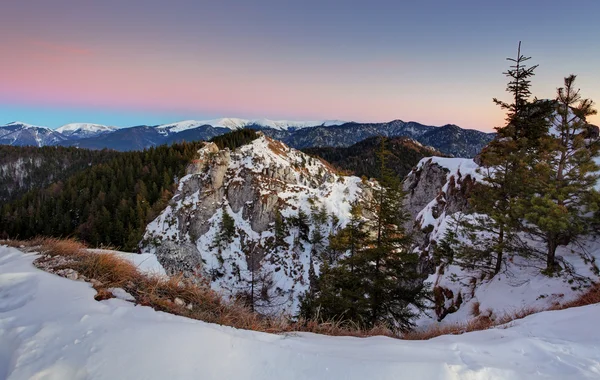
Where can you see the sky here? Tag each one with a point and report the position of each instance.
(133, 62)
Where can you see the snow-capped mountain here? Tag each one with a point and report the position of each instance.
(236, 123)
(23, 134)
(448, 139)
(265, 187)
(84, 130)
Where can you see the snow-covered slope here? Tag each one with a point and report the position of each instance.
(253, 184)
(235, 123)
(84, 130)
(52, 328)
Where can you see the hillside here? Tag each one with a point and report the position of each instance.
(360, 159)
(26, 168)
(108, 203)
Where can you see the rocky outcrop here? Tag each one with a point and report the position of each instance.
(262, 186)
(436, 188)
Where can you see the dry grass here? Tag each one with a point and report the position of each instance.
(175, 295)
(482, 322)
(590, 297)
(180, 296)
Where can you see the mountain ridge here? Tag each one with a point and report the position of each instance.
(448, 139)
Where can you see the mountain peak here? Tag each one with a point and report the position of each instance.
(24, 125)
(87, 127)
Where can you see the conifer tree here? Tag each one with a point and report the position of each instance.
(377, 280)
(566, 175)
(388, 264)
(226, 229)
(507, 176)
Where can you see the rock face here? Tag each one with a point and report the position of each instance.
(263, 187)
(436, 188)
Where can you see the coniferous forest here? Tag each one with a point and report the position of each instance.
(109, 203)
(23, 168)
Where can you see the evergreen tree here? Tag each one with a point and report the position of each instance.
(280, 230)
(566, 175)
(388, 264)
(507, 176)
(377, 280)
(226, 229)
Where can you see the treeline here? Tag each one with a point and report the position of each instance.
(107, 204)
(360, 158)
(26, 168)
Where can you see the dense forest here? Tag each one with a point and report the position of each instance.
(26, 168)
(109, 203)
(361, 159)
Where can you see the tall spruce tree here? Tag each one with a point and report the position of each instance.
(377, 280)
(507, 176)
(566, 175)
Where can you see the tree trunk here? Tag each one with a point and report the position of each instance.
(551, 254)
(499, 251)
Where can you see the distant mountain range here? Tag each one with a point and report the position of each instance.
(448, 139)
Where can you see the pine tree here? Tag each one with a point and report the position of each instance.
(280, 230)
(566, 175)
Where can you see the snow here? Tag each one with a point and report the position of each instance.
(236, 123)
(84, 128)
(24, 125)
(464, 166)
(52, 328)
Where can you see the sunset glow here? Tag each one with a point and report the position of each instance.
(157, 61)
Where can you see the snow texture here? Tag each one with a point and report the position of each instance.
(52, 328)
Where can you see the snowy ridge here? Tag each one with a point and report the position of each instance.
(18, 133)
(252, 184)
(24, 125)
(236, 123)
(84, 128)
(52, 328)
